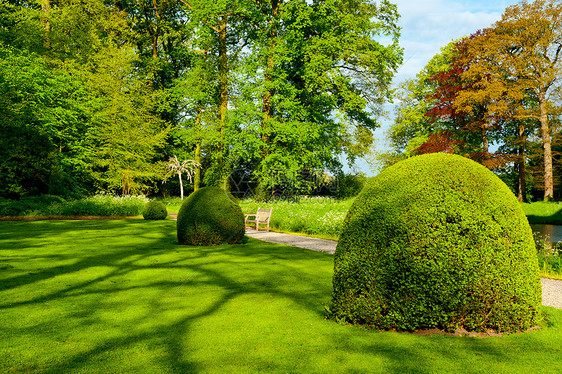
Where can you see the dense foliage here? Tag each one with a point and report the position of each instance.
(210, 216)
(350, 185)
(493, 96)
(49, 206)
(97, 95)
(154, 210)
(437, 241)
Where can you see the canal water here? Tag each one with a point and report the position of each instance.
(552, 233)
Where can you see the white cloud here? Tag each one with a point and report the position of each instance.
(429, 25)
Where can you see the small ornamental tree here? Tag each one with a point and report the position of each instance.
(437, 241)
(174, 166)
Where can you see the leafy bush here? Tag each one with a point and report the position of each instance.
(29, 205)
(105, 205)
(210, 216)
(43, 200)
(350, 185)
(155, 210)
(437, 241)
(98, 205)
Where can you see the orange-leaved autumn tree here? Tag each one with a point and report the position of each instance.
(519, 68)
(467, 128)
(491, 93)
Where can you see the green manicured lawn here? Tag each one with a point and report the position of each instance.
(122, 296)
(543, 212)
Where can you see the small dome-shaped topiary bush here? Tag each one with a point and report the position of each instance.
(436, 241)
(210, 216)
(154, 210)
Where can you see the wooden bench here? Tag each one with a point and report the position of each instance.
(262, 217)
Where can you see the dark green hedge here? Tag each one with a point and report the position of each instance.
(210, 216)
(25, 205)
(350, 185)
(154, 210)
(437, 241)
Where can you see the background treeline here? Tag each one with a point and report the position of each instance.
(97, 95)
(493, 96)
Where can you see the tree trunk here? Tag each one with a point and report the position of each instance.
(223, 74)
(46, 10)
(223, 92)
(155, 45)
(485, 143)
(197, 176)
(156, 31)
(521, 166)
(547, 152)
(267, 108)
(181, 185)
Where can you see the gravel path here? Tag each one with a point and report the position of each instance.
(314, 244)
(552, 293)
(551, 288)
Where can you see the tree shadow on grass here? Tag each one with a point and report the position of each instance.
(193, 268)
(553, 219)
(153, 295)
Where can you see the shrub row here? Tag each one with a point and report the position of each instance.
(98, 205)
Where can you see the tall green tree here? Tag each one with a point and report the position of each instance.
(276, 85)
(125, 134)
(41, 122)
(322, 73)
(217, 40)
(82, 95)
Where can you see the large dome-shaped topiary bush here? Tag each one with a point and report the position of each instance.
(154, 210)
(437, 241)
(210, 216)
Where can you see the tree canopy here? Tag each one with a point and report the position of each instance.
(106, 91)
(98, 95)
(497, 86)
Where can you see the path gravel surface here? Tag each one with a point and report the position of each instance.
(314, 244)
(551, 288)
(552, 293)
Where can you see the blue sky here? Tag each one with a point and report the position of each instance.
(428, 25)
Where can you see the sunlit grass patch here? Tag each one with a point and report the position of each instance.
(543, 212)
(123, 296)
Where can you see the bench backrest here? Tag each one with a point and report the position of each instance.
(263, 214)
